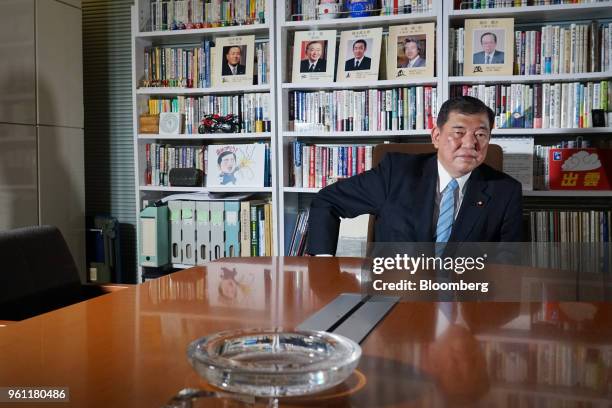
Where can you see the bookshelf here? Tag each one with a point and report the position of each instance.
(536, 14)
(293, 199)
(278, 28)
(143, 37)
(533, 18)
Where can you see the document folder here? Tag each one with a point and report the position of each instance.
(188, 243)
(153, 233)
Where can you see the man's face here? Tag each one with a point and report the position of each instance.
(228, 162)
(358, 50)
(462, 142)
(314, 51)
(488, 44)
(233, 56)
(411, 50)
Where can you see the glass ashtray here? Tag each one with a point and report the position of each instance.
(274, 363)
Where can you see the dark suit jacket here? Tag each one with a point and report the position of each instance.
(400, 192)
(421, 62)
(319, 67)
(227, 71)
(479, 58)
(349, 65)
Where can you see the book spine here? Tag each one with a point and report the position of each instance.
(254, 231)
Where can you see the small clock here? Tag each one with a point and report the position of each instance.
(169, 123)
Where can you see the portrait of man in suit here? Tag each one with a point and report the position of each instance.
(489, 53)
(446, 196)
(359, 61)
(315, 61)
(413, 54)
(232, 61)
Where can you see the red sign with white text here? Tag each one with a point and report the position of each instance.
(580, 169)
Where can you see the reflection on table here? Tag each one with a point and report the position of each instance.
(128, 348)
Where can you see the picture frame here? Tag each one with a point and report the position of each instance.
(489, 47)
(236, 165)
(234, 59)
(314, 56)
(359, 55)
(411, 51)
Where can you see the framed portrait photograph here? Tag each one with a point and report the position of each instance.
(411, 51)
(489, 47)
(234, 59)
(314, 56)
(359, 55)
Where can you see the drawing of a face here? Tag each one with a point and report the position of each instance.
(227, 162)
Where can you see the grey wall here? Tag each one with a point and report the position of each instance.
(109, 157)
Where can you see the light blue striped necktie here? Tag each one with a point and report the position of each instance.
(446, 217)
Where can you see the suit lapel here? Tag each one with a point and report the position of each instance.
(473, 207)
(425, 197)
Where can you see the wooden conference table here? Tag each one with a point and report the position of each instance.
(128, 348)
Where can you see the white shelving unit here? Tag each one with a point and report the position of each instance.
(533, 16)
(535, 193)
(194, 37)
(358, 134)
(523, 79)
(292, 199)
(211, 136)
(279, 31)
(229, 90)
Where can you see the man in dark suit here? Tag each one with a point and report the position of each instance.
(359, 61)
(314, 63)
(232, 65)
(442, 197)
(489, 55)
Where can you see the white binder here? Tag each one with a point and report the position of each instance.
(202, 232)
(188, 243)
(176, 253)
(217, 241)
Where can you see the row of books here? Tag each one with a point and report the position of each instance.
(246, 165)
(548, 363)
(517, 398)
(554, 49)
(189, 14)
(227, 228)
(302, 10)
(194, 67)
(368, 110)
(318, 165)
(299, 234)
(545, 105)
(252, 110)
(486, 4)
(570, 226)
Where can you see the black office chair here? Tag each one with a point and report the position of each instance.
(38, 273)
